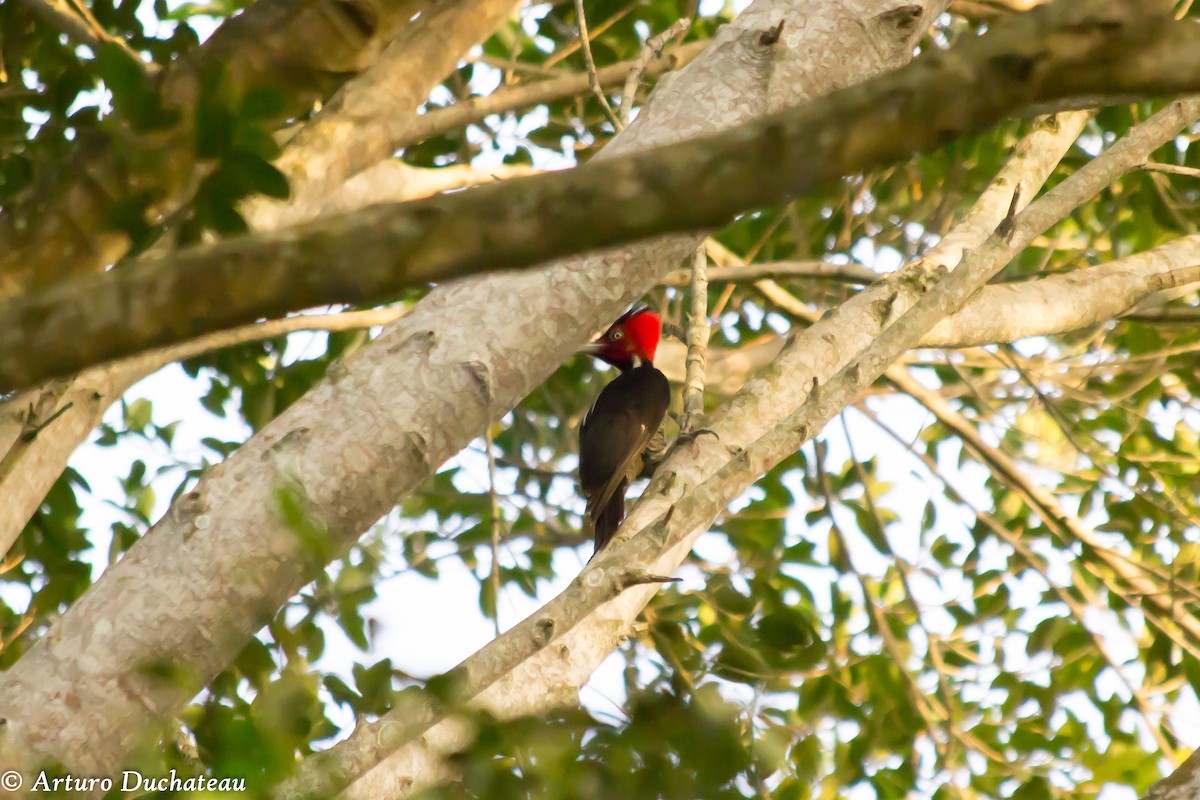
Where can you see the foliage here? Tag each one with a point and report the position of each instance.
(885, 614)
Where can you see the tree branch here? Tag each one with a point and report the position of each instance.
(1010, 311)
(524, 222)
(1171, 169)
(816, 270)
(651, 52)
(1182, 784)
(590, 64)
(697, 343)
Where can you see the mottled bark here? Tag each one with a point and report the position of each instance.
(1054, 52)
(1061, 303)
(1182, 784)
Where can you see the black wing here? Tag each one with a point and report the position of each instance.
(615, 432)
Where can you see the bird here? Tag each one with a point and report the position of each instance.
(623, 419)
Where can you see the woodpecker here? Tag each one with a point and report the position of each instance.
(622, 420)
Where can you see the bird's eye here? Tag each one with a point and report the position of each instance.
(618, 335)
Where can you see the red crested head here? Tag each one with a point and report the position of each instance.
(634, 336)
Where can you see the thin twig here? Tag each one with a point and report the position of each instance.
(1171, 169)
(697, 342)
(153, 360)
(331, 323)
(727, 259)
(819, 270)
(514, 96)
(570, 47)
(593, 81)
(651, 50)
(491, 465)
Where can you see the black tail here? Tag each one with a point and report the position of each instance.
(606, 520)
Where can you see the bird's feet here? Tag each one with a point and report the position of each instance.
(658, 450)
(688, 436)
(688, 429)
(688, 432)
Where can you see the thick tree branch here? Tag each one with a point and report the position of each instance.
(1011, 311)
(1050, 53)
(1182, 784)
